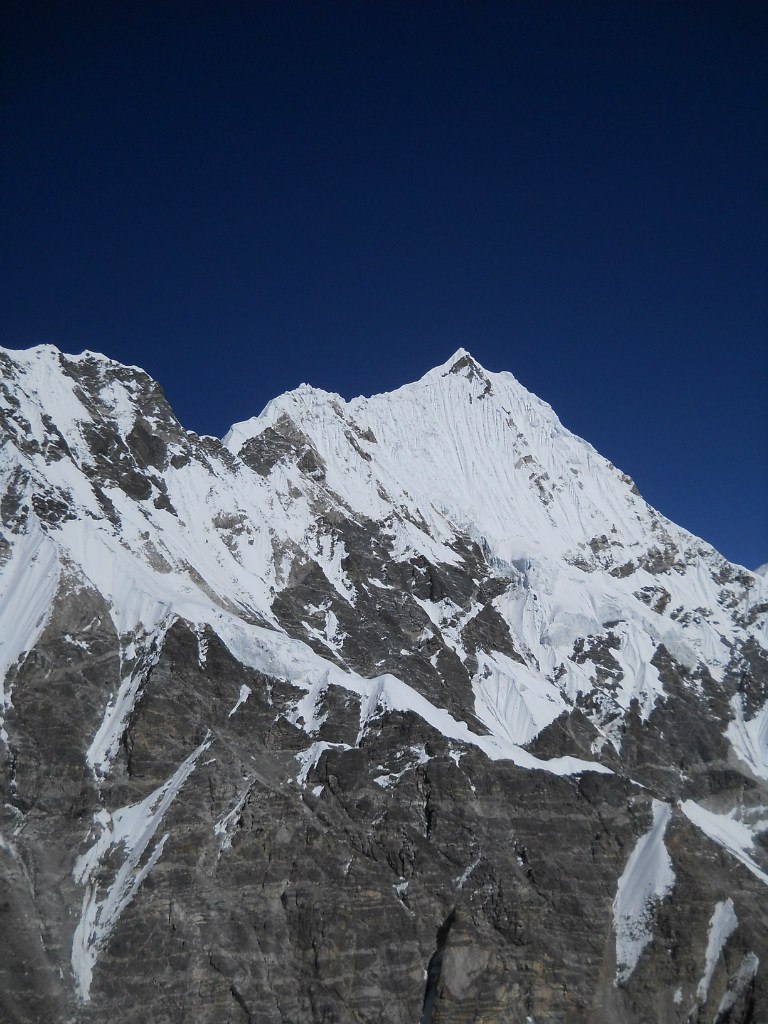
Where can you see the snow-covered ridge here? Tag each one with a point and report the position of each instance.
(507, 468)
(471, 451)
(165, 525)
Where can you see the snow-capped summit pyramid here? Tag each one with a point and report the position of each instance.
(466, 447)
(424, 658)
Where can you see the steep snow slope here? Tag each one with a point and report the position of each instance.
(466, 446)
(470, 452)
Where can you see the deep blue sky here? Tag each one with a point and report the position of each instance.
(241, 197)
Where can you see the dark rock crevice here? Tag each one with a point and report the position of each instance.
(434, 969)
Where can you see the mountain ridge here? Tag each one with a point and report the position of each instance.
(431, 578)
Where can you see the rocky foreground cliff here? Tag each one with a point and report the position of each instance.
(403, 710)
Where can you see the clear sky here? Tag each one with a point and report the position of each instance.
(243, 196)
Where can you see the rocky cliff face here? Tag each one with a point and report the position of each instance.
(404, 709)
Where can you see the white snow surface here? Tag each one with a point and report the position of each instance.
(734, 835)
(737, 984)
(647, 878)
(512, 700)
(749, 737)
(242, 697)
(721, 926)
(27, 589)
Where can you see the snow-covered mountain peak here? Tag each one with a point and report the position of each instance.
(461, 465)
(469, 452)
(48, 354)
(464, 443)
(427, 645)
(461, 362)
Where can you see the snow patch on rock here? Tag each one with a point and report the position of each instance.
(721, 926)
(130, 828)
(647, 878)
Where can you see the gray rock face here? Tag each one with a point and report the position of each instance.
(407, 709)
